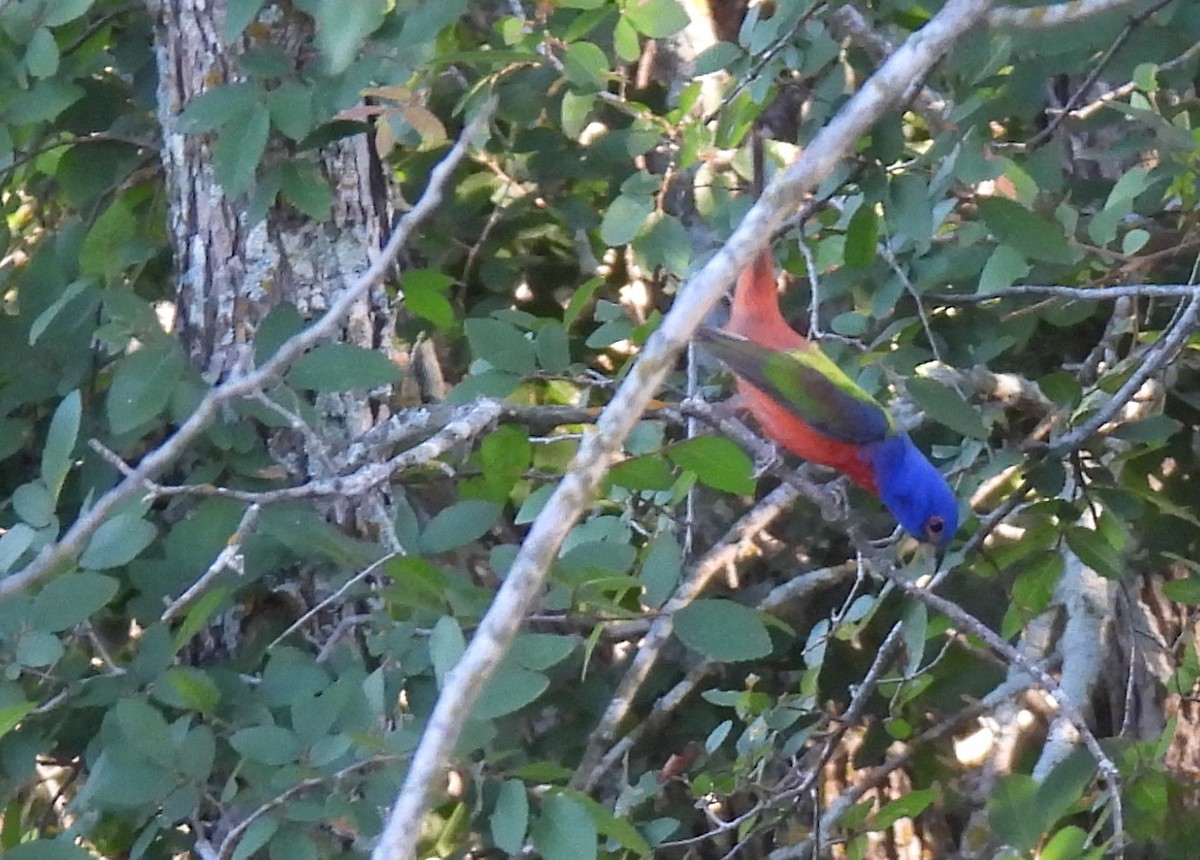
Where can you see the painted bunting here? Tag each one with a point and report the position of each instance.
(806, 404)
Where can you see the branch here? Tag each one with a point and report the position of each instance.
(876, 775)
(66, 549)
(735, 545)
(1055, 14)
(794, 589)
(1152, 360)
(879, 94)
(1086, 294)
(965, 621)
(1087, 598)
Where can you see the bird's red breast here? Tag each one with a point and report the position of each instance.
(756, 316)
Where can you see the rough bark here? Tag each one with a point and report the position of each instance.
(232, 272)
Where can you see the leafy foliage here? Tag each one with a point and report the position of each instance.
(558, 246)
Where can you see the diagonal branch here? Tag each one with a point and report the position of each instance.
(879, 94)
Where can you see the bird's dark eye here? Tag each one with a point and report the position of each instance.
(934, 526)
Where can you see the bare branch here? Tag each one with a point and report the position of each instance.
(1044, 679)
(230, 556)
(523, 583)
(735, 545)
(1087, 294)
(1056, 14)
(63, 551)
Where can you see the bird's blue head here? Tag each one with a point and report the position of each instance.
(914, 491)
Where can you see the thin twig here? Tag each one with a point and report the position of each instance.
(737, 543)
(231, 840)
(230, 557)
(1093, 74)
(337, 595)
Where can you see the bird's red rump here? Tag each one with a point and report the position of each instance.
(781, 424)
(755, 313)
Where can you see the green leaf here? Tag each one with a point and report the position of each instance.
(565, 830)
(509, 690)
(188, 688)
(717, 462)
(1004, 268)
(218, 107)
(909, 806)
(1065, 786)
(510, 816)
(272, 745)
(42, 102)
(41, 54)
(1186, 591)
(1034, 236)
(37, 648)
(239, 149)
(446, 647)
(1095, 552)
(291, 109)
(114, 229)
(64, 11)
(198, 616)
(46, 317)
(255, 837)
(33, 503)
(553, 347)
(280, 324)
(305, 188)
(11, 716)
(657, 19)
(862, 235)
(47, 849)
(238, 15)
(292, 844)
(1067, 844)
(666, 243)
(502, 345)
(661, 569)
(717, 58)
(946, 406)
(424, 22)
(649, 473)
(143, 384)
(540, 651)
(70, 599)
(723, 630)
(117, 542)
(1013, 811)
(425, 295)
(624, 218)
(18, 538)
(342, 367)
(60, 442)
(625, 40)
(458, 525)
(585, 66)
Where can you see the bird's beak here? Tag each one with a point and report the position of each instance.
(939, 556)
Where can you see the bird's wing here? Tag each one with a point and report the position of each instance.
(807, 383)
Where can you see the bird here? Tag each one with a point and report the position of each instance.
(806, 404)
